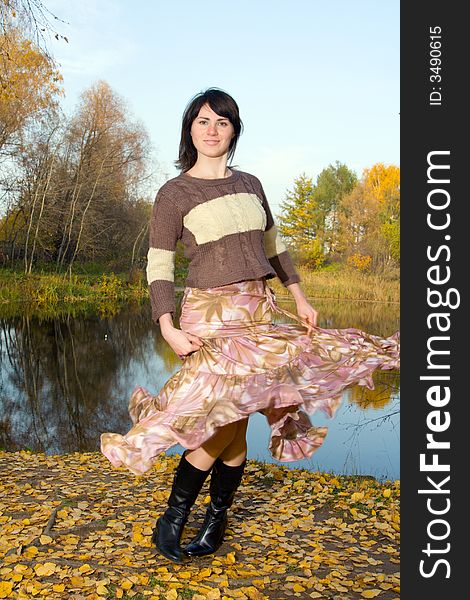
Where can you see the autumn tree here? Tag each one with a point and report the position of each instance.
(105, 160)
(33, 18)
(358, 219)
(29, 84)
(369, 222)
(382, 183)
(81, 196)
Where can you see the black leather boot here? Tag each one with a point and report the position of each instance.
(187, 484)
(225, 481)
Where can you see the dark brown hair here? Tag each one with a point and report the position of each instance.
(221, 103)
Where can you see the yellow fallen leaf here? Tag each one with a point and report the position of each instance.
(386, 586)
(20, 568)
(85, 568)
(205, 572)
(184, 574)
(58, 587)
(339, 588)
(370, 593)
(45, 569)
(101, 590)
(171, 595)
(126, 584)
(298, 588)
(357, 496)
(252, 593)
(6, 588)
(45, 539)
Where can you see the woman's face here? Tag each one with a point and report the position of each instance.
(211, 133)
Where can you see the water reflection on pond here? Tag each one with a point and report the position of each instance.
(66, 379)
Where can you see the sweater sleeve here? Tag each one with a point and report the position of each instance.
(275, 249)
(166, 228)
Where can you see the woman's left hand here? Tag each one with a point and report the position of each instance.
(307, 313)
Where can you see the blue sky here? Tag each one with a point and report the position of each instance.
(316, 81)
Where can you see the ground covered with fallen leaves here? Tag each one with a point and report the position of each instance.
(74, 527)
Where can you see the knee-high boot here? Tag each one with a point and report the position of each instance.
(225, 481)
(187, 484)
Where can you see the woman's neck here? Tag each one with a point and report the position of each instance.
(210, 169)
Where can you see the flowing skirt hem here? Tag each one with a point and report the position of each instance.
(283, 394)
(248, 364)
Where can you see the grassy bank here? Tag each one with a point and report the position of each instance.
(348, 284)
(50, 289)
(75, 527)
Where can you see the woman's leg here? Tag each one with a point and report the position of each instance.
(189, 478)
(235, 453)
(187, 483)
(204, 456)
(226, 477)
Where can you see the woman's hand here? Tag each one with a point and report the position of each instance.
(307, 313)
(182, 343)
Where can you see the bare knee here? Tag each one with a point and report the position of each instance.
(204, 456)
(235, 452)
(221, 439)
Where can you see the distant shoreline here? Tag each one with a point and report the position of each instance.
(41, 289)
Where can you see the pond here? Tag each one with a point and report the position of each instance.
(67, 378)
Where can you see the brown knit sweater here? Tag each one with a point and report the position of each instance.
(227, 230)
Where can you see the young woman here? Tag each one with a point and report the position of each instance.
(236, 360)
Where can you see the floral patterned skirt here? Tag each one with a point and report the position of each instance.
(249, 364)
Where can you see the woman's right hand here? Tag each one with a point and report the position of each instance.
(183, 343)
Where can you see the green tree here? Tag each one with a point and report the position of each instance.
(332, 184)
(299, 224)
(296, 221)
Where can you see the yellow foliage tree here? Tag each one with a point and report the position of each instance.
(29, 83)
(383, 184)
(369, 222)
